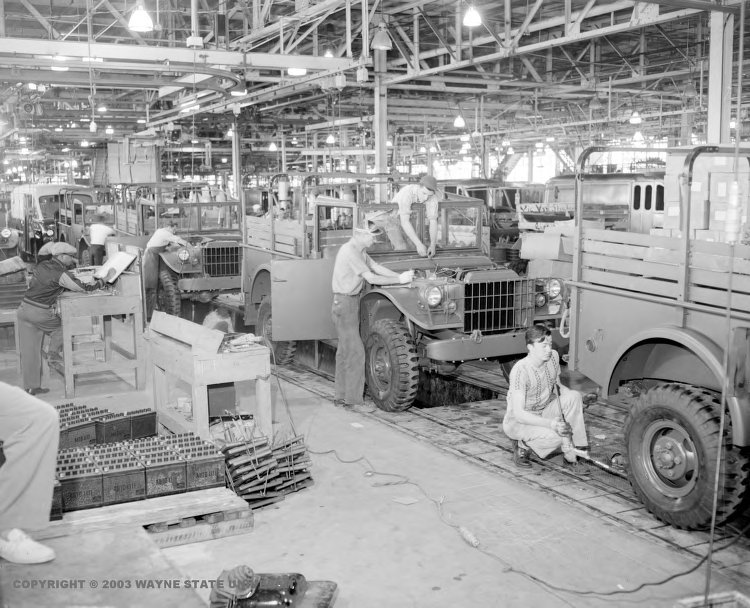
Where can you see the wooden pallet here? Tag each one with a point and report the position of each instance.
(177, 519)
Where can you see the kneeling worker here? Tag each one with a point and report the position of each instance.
(37, 316)
(542, 414)
(350, 271)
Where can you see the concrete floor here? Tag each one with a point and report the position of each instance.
(384, 524)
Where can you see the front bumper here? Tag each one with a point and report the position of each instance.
(208, 283)
(466, 348)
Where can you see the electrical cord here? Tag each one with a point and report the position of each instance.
(470, 539)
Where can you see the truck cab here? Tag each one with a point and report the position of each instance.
(34, 211)
(79, 209)
(203, 216)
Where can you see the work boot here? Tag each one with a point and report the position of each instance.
(520, 455)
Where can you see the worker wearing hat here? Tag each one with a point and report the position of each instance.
(423, 192)
(350, 271)
(37, 316)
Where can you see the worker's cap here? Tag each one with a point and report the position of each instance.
(62, 249)
(429, 182)
(369, 222)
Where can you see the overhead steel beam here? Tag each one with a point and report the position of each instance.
(698, 5)
(556, 42)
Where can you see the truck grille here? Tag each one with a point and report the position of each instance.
(222, 260)
(498, 306)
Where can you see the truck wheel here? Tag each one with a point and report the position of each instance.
(672, 438)
(85, 258)
(391, 366)
(168, 295)
(283, 352)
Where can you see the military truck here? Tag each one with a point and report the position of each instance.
(666, 313)
(204, 217)
(460, 307)
(79, 208)
(33, 213)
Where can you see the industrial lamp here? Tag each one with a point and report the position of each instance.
(330, 140)
(140, 20)
(273, 147)
(635, 118)
(472, 18)
(381, 41)
(459, 122)
(690, 92)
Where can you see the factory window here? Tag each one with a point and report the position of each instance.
(78, 213)
(637, 198)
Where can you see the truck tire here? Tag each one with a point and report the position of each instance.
(85, 258)
(672, 438)
(168, 298)
(283, 352)
(391, 366)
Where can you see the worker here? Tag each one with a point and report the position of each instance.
(156, 245)
(423, 192)
(542, 414)
(350, 271)
(29, 435)
(98, 233)
(36, 315)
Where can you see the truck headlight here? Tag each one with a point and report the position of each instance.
(49, 233)
(5, 233)
(540, 299)
(183, 255)
(554, 288)
(433, 296)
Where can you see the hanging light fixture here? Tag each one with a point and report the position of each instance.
(690, 92)
(92, 126)
(109, 130)
(330, 140)
(381, 41)
(273, 147)
(472, 18)
(459, 122)
(140, 20)
(635, 118)
(595, 104)
(296, 70)
(510, 150)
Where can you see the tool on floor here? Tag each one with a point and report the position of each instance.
(240, 587)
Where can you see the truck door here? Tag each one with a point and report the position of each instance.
(302, 298)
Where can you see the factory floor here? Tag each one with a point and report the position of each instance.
(390, 520)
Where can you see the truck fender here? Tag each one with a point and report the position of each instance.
(380, 304)
(260, 287)
(171, 261)
(705, 352)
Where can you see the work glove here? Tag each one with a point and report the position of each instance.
(406, 277)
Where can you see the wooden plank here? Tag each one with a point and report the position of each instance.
(286, 239)
(631, 238)
(639, 284)
(708, 278)
(282, 248)
(199, 337)
(714, 248)
(719, 263)
(171, 508)
(635, 267)
(201, 531)
(718, 298)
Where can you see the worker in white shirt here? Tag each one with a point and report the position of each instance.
(98, 233)
(158, 242)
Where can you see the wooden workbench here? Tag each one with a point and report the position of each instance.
(103, 332)
(185, 360)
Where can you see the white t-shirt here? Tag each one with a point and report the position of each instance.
(408, 195)
(99, 232)
(163, 237)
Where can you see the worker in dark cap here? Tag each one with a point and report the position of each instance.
(37, 315)
(423, 192)
(350, 271)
